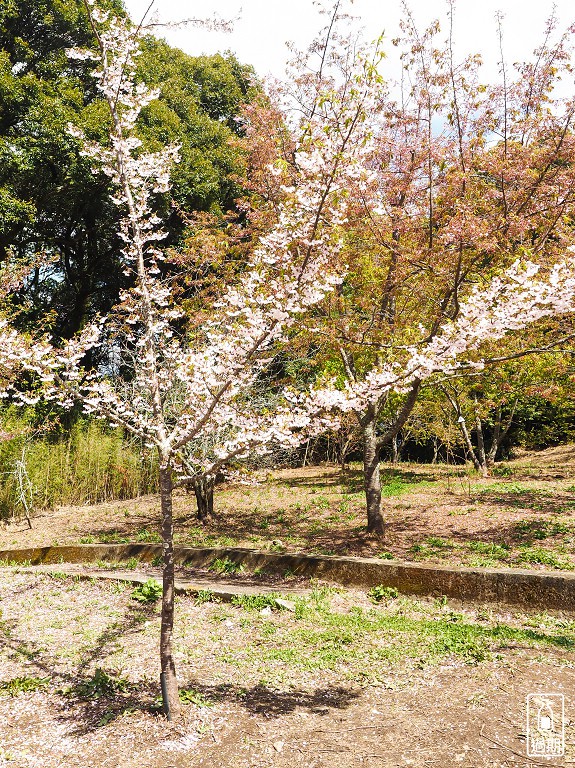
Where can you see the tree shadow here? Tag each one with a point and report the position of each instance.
(89, 714)
(271, 702)
(331, 478)
(529, 500)
(77, 686)
(88, 699)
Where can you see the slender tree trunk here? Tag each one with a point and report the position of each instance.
(169, 681)
(372, 479)
(466, 436)
(490, 455)
(480, 443)
(204, 490)
(394, 450)
(500, 433)
(468, 443)
(343, 452)
(435, 450)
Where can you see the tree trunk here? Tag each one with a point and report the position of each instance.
(466, 436)
(204, 490)
(372, 479)
(500, 432)
(480, 443)
(468, 443)
(395, 450)
(435, 450)
(171, 699)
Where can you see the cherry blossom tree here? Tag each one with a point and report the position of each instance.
(454, 243)
(180, 391)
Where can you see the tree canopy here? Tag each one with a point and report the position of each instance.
(50, 200)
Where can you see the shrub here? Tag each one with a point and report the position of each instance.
(379, 593)
(226, 566)
(101, 684)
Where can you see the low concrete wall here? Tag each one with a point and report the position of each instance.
(537, 589)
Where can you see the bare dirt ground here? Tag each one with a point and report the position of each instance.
(524, 515)
(343, 681)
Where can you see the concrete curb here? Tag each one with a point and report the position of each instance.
(553, 590)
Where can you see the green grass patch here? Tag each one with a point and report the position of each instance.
(205, 596)
(256, 602)
(189, 696)
(100, 684)
(489, 548)
(541, 556)
(540, 529)
(22, 685)
(502, 487)
(152, 537)
(14, 563)
(502, 470)
(432, 546)
(362, 639)
(394, 485)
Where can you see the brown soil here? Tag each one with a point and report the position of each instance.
(435, 513)
(257, 705)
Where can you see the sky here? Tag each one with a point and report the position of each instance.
(264, 26)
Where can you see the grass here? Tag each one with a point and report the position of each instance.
(256, 602)
(492, 550)
(226, 567)
(86, 464)
(101, 684)
(189, 696)
(395, 485)
(359, 640)
(15, 563)
(541, 556)
(431, 546)
(540, 529)
(512, 488)
(205, 596)
(22, 685)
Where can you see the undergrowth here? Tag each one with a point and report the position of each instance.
(86, 464)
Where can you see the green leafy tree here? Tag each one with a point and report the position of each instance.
(50, 200)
